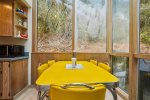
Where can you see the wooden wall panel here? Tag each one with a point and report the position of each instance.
(38, 58)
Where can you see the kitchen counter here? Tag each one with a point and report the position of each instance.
(15, 58)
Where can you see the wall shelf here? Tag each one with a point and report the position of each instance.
(21, 27)
(22, 38)
(21, 8)
(24, 3)
(21, 15)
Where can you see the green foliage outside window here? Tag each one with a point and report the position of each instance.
(54, 25)
(145, 26)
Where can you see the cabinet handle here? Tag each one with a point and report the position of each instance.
(0, 72)
(0, 94)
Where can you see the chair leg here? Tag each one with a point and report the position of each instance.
(42, 95)
(112, 90)
(43, 92)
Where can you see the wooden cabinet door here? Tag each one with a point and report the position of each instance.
(5, 80)
(6, 17)
(16, 76)
(1, 81)
(25, 68)
(19, 70)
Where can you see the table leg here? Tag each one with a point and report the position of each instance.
(112, 90)
(43, 92)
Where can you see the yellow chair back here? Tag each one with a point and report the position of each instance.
(51, 62)
(78, 93)
(42, 68)
(94, 62)
(104, 66)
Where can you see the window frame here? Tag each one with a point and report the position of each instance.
(35, 25)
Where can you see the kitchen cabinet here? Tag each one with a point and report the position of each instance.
(14, 18)
(6, 17)
(13, 77)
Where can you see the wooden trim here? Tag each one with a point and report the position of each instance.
(109, 25)
(122, 94)
(133, 48)
(144, 56)
(120, 54)
(51, 52)
(34, 25)
(68, 53)
(73, 25)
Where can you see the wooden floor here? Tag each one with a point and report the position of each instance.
(31, 94)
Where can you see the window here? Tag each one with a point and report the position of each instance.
(120, 25)
(90, 28)
(144, 79)
(145, 26)
(54, 25)
(121, 70)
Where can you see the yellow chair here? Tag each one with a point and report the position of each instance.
(94, 62)
(42, 68)
(77, 93)
(104, 66)
(51, 62)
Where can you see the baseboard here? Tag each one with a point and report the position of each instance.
(22, 91)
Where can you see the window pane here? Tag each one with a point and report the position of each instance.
(90, 31)
(145, 26)
(121, 70)
(121, 25)
(54, 25)
(144, 80)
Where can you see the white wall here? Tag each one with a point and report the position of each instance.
(28, 43)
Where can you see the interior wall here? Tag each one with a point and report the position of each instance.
(28, 43)
(40, 58)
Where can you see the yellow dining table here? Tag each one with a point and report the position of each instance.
(59, 75)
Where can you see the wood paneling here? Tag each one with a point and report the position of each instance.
(6, 16)
(38, 58)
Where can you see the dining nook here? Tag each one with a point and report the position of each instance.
(74, 49)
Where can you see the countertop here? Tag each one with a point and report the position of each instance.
(15, 58)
